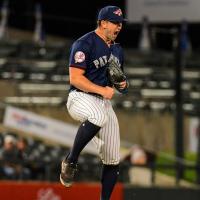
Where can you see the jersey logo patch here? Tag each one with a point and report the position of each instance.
(79, 57)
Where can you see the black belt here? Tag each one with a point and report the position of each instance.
(91, 93)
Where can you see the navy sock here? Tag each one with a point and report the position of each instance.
(86, 132)
(110, 174)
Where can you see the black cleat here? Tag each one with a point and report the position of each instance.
(68, 171)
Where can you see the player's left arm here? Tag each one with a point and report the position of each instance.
(123, 86)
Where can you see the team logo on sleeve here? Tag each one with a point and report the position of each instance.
(79, 57)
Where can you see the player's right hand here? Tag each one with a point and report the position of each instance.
(108, 92)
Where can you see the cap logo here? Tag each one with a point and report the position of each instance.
(79, 57)
(118, 12)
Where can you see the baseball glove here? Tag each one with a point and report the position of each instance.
(115, 74)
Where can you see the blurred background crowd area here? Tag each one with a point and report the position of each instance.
(159, 116)
(31, 159)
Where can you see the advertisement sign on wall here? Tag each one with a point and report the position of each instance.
(43, 127)
(54, 191)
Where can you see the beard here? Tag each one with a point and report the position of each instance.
(111, 36)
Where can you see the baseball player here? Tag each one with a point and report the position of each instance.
(89, 98)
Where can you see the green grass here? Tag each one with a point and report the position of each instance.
(190, 175)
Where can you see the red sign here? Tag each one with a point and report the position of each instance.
(54, 191)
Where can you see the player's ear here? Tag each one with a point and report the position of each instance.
(103, 23)
(99, 23)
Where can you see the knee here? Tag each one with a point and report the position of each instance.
(99, 120)
(111, 161)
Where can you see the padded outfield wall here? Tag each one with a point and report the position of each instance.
(90, 191)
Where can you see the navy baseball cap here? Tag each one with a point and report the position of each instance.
(111, 13)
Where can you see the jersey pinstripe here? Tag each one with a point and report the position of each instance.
(82, 106)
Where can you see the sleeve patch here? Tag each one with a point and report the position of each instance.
(79, 57)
